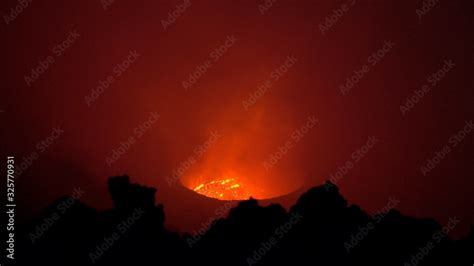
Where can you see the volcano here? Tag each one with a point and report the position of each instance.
(226, 189)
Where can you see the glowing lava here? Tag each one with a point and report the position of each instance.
(225, 189)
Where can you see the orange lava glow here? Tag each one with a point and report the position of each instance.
(232, 161)
(226, 189)
(232, 186)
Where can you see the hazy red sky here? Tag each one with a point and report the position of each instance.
(416, 45)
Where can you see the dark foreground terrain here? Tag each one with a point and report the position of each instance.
(320, 229)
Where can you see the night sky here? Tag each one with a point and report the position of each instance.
(375, 95)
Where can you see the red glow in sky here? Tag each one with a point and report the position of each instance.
(257, 76)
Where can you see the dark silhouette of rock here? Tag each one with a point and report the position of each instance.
(126, 195)
(320, 229)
